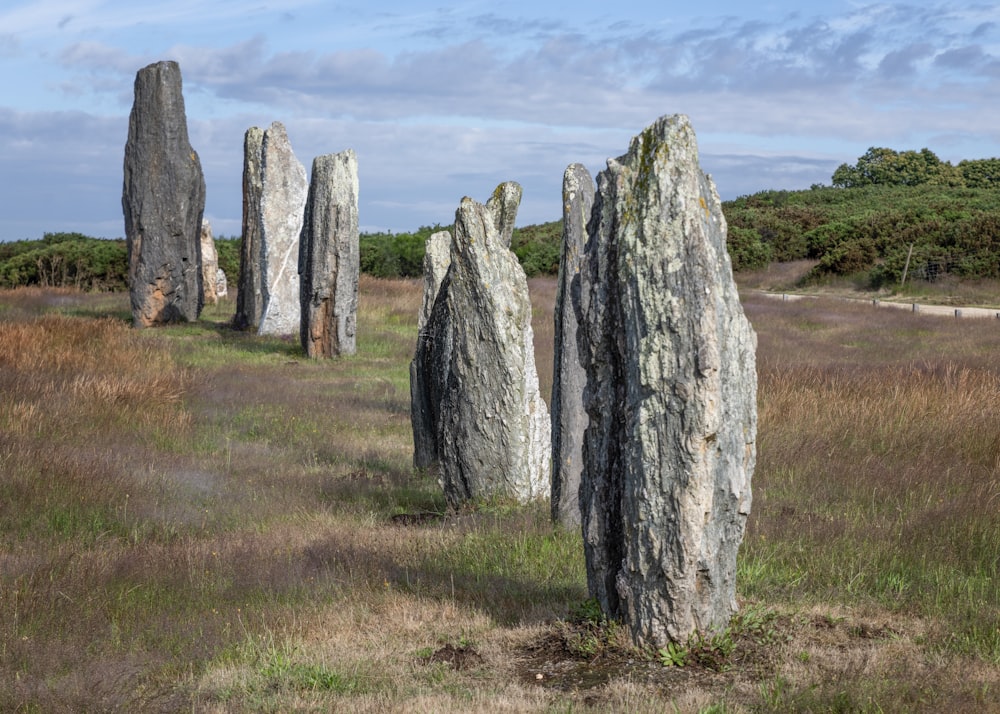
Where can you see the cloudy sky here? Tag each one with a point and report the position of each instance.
(442, 101)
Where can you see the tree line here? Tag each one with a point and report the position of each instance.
(889, 212)
(96, 264)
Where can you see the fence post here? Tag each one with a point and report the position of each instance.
(906, 268)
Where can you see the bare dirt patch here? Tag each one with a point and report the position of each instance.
(781, 664)
(458, 657)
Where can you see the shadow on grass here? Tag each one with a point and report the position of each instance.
(252, 343)
(494, 581)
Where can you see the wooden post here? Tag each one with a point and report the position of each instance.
(906, 267)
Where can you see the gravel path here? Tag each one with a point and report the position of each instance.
(923, 309)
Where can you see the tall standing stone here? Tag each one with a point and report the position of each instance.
(569, 418)
(163, 199)
(671, 394)
(329, 257)
(282, 204)
(249, 294)
(209, 265)
(492, 426)
(427, 375)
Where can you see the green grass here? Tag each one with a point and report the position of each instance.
(234, 527)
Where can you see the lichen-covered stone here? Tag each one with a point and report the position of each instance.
(209, 265)
(329, 258)
(221, 283)
(249, 294)
(569, 418)
(671, 394)
(282, 206)
(163, 199)
(492, 426)
(427, 377)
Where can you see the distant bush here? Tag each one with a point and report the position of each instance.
(538, 247)
(74, 260)
(870, 229)
(65, 260)
(746, 249)
(228, 251)
(395, 255)
(401, 255)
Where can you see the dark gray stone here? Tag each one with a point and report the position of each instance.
(569, 418)
(670, 447)
(428, 370)
(163, 199)
(329, 257)
(249, 294)
(475, 377)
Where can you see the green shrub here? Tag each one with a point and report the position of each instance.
(538, 247)
(228, 252)
(65, 260)
(747, 250)
(395, 255)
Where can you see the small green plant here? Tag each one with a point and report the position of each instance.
(588, 611)
(673, 655)
(712, 651)
(758, 625)
(585, 643)
(280, 670)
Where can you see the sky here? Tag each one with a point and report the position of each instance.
(444, 101)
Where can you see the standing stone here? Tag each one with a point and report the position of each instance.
(163, 199)
(671, 394)
(427, 376)
(221, 283)
(437, 260)
(492, 426)
(249, 294)
(209, 265)
(569, 418)
(282, 204)
(329, 257)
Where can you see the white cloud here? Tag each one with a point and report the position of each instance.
(443, 102)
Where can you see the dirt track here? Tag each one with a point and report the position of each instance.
(923, 309)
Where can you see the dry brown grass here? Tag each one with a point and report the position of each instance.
(197, 519)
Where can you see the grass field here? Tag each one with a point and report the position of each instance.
(195, 519)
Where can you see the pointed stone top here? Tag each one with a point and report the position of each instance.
(503, 204)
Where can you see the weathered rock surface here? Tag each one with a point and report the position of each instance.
(209, 265)
(329, 258)
(282, 206)
(163, 199)
(671, 394)
(492, 426)
(249, 293)
(221, 284)
(437, 260)
(569, 418)
(427, 377)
